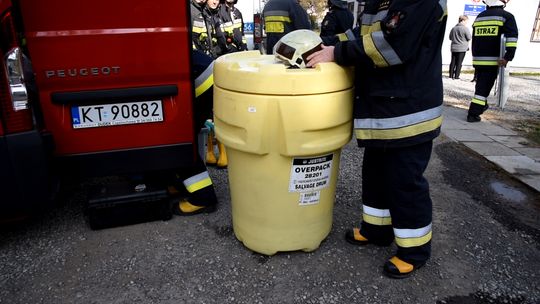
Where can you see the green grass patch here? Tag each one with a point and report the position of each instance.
(531, 129)
(524, 73)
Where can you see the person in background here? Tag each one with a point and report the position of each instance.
(488, 27)
(281, 17)
(201, 36)
(397, 114)
(460, 37)
(219, 46)
(338, 20)
(233, 26)
(219, 38)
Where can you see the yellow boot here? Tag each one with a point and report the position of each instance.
(184, 207)
(210, 157)
(222, 158)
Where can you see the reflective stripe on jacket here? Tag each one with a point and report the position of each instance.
(199, 29)
(203, 67)
(219, 38)
(398, 86)
(233, 27)
(281, 17)
(488, 27)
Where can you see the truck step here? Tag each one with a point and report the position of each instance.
(125, 203)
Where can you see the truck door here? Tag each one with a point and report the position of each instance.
(114, 82)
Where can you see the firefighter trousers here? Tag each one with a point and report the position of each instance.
(485, 78)
(396, 200)
(195, 184)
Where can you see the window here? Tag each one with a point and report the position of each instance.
(535, 36)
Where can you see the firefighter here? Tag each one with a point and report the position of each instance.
(219, 38)
(281, 17)
(233, 26)
(201, 32)
(488, 27)
(397, 114)
(217, 47)
(338, 19)
(194, 186)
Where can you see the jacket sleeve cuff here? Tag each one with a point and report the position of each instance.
(351, 53)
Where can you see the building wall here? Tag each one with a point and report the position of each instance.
(527, 53)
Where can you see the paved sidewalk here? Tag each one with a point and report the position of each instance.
(503, 147)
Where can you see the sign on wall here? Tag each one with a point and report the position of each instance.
(473, 9)
(248, 27)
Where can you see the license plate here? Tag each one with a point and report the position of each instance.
(114, 114)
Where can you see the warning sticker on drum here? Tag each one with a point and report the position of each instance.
(309, 198)
(310, 174)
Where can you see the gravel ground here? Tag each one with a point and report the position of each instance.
(486, 249)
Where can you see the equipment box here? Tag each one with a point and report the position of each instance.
(124, 203)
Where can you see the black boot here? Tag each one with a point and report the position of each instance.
(473, 118)
(396, 268)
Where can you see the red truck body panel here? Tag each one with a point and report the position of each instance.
(79, 55)
(5, 5)
(102, 45)
(25, 182)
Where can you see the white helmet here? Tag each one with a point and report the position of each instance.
(493, 2)
(294, 47)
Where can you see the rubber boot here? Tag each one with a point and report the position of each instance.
(396, 268)
(210, 156)
(222, 158)
(184, 207)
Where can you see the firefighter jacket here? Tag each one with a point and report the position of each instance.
(398, 67)
(200, 30)
(202, 69)
(219, 38)
(203, 80)
(488, 27)
(281, 17)
(336, 21)
(233, 27)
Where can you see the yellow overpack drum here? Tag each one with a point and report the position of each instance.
(283, 130)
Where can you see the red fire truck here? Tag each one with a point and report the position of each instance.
(93, 88)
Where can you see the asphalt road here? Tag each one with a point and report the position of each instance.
(485, 250)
